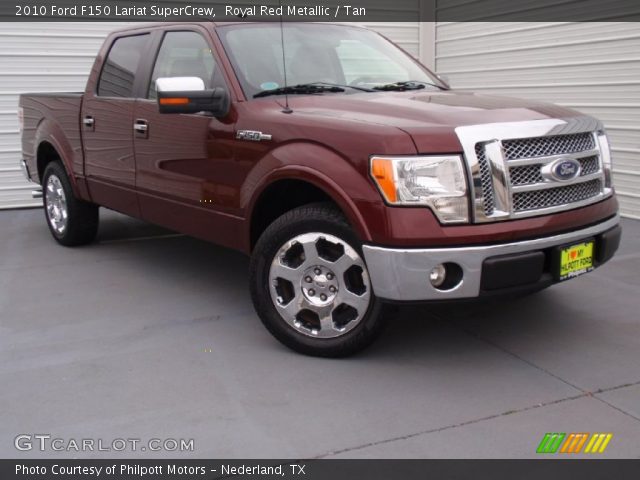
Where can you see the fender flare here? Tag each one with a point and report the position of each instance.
(50, 132)
(298, 161)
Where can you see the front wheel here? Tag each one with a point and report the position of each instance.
(310, 284)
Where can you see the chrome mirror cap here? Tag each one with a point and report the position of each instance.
(180, 84)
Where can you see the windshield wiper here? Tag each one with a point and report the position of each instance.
(306, 88)
(362, 89)
(408, 85)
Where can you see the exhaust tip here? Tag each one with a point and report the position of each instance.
(36, 193)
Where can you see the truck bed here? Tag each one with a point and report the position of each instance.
(56, 113)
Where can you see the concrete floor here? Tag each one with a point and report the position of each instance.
(144, 335)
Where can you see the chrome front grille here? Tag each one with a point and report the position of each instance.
(485, 178)
(545, 146)
(526, 175)
(551, 197)
(529, 174)
(515, 168)
(589, 165)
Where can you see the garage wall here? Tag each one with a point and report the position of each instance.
(38, 57)
(43, 57)
(405, 34)
(592, 67)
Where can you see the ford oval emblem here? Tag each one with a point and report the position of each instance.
(562, 170)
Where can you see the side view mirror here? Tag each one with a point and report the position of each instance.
(188, 95)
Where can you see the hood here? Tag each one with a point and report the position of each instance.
(430, 118)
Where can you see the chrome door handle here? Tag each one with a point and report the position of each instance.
(88, 121)
(141, 127)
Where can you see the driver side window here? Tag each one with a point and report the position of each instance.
(185, 54)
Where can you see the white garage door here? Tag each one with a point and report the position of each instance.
(593, 67)
(41, 57)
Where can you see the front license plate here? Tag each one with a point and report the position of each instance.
(576, 260)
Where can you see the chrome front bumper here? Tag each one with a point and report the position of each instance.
(403, 274)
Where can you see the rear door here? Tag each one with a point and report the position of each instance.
(107, 126)
(187, 178)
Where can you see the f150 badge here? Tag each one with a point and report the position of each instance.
(562, 170)
(252, 135)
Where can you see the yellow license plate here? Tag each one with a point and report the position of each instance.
(576, 260)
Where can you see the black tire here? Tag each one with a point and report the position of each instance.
(317, 218)
(82, 219)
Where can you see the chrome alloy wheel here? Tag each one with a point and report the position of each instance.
(56, 205)
(320, 285)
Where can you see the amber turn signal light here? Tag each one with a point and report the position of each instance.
(382, 171)
(174, 101)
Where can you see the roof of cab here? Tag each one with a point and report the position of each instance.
(157, 25)
(153, 25)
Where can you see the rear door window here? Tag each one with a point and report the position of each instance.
(119, 71)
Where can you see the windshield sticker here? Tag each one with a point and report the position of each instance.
(269, 86)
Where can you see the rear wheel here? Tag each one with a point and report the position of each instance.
(71, 221)
(310, 284)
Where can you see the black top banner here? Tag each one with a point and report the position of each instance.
(322, 10)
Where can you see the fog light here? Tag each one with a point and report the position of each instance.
(438, 275)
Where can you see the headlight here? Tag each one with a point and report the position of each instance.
(605, 153)
(437, 182)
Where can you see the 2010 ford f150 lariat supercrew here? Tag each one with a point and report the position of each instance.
(352, 175)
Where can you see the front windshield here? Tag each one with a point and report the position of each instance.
(334, 54)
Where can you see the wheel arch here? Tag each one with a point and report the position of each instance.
(51, 145)
(292, 187)
(45, 154)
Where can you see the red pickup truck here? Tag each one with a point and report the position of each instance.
(352, 175)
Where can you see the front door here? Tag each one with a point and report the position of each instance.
(186, 177)
(107, 127)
